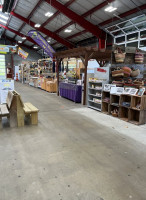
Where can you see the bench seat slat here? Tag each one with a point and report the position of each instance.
(31, 107)
(4, 110)
(26, 109)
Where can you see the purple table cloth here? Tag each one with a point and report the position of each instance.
(71, 91)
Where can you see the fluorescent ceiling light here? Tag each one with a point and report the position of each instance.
(3, 21)
(23, 38)
(68, 31)
(110, 9)
(49, 41)
(35, 47)
(37, 25)
(19, 41)
(49, 14)
(4, 17)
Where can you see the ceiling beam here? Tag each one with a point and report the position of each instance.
(57, 13)
(86, 14)
(45, 31)
(78, 19)
(125, 14)
(9, 19)
(30, 15)
(17, 33)
(14, 42)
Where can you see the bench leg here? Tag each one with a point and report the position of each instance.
(0, 122)
(34, 118)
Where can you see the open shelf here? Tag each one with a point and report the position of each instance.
(114, 100)
(124, 113)
(125, 100)
(105, 96)
(137, 117)
(105, 107)
(112, 108)
(138, 102)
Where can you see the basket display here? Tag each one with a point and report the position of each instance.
(119, 56)
(139, 57)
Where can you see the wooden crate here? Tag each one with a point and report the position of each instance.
(111, 108)
(114, 99)
(105, 107)
(125, 98)
(137, 117)
(105, 94)
(138, 100)
(123, 113)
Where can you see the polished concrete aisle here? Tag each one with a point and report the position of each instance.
(68, 156)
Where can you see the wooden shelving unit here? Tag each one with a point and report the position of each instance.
(134, 113)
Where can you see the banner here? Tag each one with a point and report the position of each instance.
(40, 40)
(22, 53)
(4, 49)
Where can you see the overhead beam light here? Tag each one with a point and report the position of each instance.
(110, 9)
(49, 14)
(35, 47)
(37, 25)
(23, 38)
(68, 31)
(49, 41)
(4, 17)
(3, 21)
(19, 41)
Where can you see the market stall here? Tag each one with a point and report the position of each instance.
(85, 54)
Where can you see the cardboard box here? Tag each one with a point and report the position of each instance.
(44, 81)
(51, 86)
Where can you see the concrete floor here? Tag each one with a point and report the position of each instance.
(69, 156)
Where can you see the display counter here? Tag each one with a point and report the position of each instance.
(71, 91)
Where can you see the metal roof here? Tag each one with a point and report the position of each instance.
(91, 10)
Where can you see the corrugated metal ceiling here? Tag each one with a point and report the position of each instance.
(24, 8)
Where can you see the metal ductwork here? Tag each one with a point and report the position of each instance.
(7, 6)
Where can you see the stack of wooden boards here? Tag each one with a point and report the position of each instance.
(16, 110)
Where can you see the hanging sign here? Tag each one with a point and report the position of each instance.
(40, 40)
(22, 53)
(4, 49)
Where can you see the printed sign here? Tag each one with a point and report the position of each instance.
(5, 86)
(2, 67)
(22, 53)
(40, 40)
(4, 49)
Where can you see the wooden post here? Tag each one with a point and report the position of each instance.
(58, 61)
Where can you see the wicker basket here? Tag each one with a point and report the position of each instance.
(139, 57)
(119, 56)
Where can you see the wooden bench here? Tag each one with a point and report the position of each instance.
(3, 113)
(32, 112)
